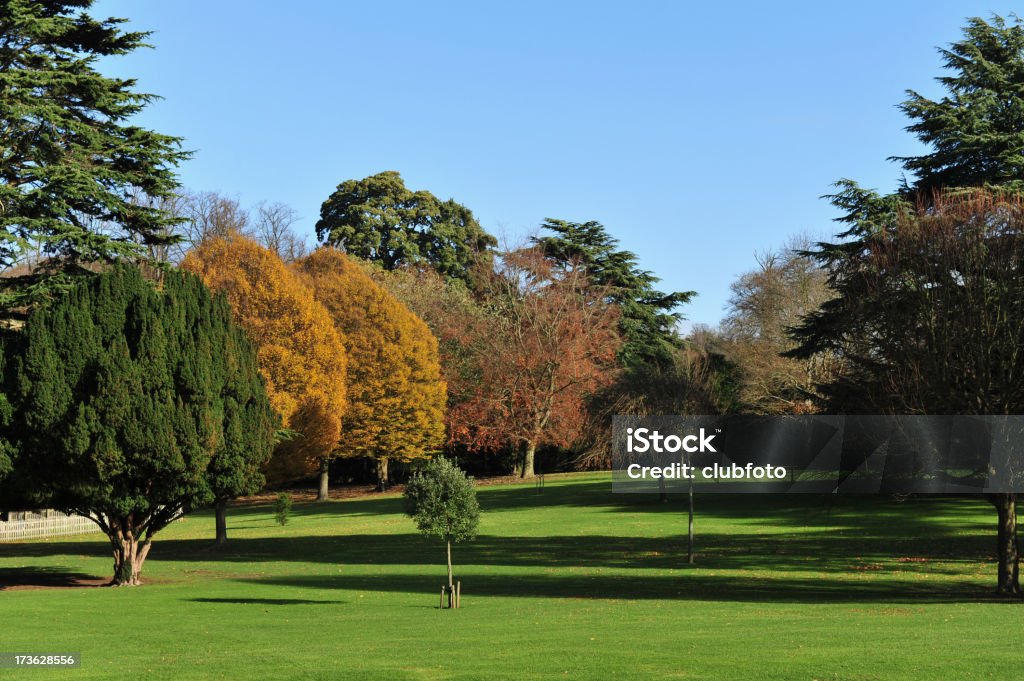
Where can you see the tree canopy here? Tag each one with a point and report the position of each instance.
(72, 161)
(396, 395)
(301, 355)
(379, 219)
(974, 132)
(648, 316)
(136, 404)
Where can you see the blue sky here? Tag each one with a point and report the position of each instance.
(698, 136)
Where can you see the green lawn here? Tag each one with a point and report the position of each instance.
(573, 583)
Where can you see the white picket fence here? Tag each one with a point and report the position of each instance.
(40, 524)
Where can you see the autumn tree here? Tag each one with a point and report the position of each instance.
(135, 404)
(396, 398)
(765, 304)
(553, 345)
(462, 324)
(379, 219)
(72, 154)
(929, 316)
(301, 355)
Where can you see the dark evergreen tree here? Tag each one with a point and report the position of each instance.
(72, 165)
(975, 133)
(136, 404)
(379, 219)
(877, 322)
(649, 317)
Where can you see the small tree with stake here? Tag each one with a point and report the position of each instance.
(442, 501)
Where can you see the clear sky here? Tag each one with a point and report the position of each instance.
(699, 136)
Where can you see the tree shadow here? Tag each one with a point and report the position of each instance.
(265, 601)
(685, 586)
(47, 577)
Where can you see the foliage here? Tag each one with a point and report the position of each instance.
(442, 501)
(301, 355)
(396, 395)
(648, 317)
(379, 219)
(282, 508)
(136, 405)
(71, 160)
(765, 304)
(974, 131)
(459, 322)
(553, 344)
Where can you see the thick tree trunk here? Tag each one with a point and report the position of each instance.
(323, 493)
(129, 556)
(529, 450)
(382, 474)
(1008, 581)
(222, 521)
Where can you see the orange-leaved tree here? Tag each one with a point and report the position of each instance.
(301, 354)
(551, 345)
(396, 394)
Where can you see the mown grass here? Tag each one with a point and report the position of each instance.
(571, 583)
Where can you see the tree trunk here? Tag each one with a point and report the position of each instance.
(222, 521)
(323, 493)
(1008, 582)
(529, 450)
(689, 532)
(129, 555)
(449, 565)
(382, 473)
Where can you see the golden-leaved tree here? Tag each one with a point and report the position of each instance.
(396, 394)
(301, 353)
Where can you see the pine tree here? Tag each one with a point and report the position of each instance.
(396, 395)
(71, 162)
(136, 404)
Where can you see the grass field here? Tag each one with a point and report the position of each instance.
(571, 583)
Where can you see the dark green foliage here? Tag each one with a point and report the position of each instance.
(649, 317)
(976, 131)
(282, 508)
(136, 404)
(379, 219)
(71, 162)
(442, 502)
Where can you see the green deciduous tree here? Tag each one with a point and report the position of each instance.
(442, 502)
(71, 161)
(378, 218)
(136, 404)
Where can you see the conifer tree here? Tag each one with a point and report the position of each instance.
(71, 162)
(396, 395)
(136, 404)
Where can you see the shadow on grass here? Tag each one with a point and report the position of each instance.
(823, 550)
(265, 601)
(46, 577)
(685, 586)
